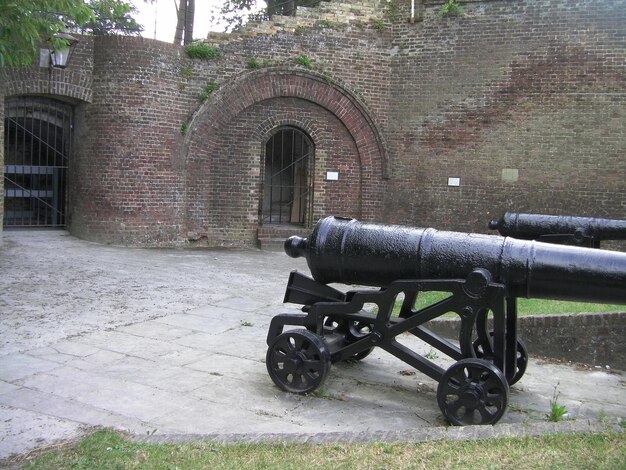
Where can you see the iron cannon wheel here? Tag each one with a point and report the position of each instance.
(298, 361)
(521, 361)
(473, 391)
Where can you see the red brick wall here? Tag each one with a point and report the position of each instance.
(225, 170)
(125, 185)
(528, 87)
(532, 88)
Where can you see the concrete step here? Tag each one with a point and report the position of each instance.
(273, 238)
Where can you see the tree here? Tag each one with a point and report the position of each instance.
(25, 24)
(111, 17)
(184, 26)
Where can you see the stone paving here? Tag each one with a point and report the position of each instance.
(170, 345)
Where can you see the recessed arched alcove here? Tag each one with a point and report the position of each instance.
(226, 151)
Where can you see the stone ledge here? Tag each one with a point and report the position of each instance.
(588, 338)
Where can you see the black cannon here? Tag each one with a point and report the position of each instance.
(481, 276)
(581, 231)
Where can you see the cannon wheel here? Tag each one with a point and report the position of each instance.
(473, 391)
(521, 362)
(298, 361)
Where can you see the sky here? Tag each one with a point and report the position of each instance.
(164, 11)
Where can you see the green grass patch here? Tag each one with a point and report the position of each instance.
(202, 51)
(529, 306)
(109, 450)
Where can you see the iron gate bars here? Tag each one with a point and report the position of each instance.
(287, 193)
(37, 147)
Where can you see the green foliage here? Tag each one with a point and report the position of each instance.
(392, 10)
(25, 23)
(257, 64)
(451, 8)
(253, 64)
(557, 412)
(111, 17)
(235, 13)
(304, 61)
(432, 354)
(208, 90)
(184, 128)
(201, 50)
(186, 72)
(377, 24)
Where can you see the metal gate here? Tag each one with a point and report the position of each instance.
(37, 137)
(287, 193)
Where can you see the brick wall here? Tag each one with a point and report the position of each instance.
(589, 338)
(225, 171)
(522, 100)
(126, 187)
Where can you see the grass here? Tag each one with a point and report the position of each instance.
(109, 450)
(532, 306)
(200, 50)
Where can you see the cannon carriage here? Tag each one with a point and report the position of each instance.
(482, 275)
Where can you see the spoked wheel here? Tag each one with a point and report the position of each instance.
(473, 391)
(298, 361)
(521, 361)
(352, 331)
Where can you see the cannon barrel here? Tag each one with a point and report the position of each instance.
(559, 229)
(351, 252)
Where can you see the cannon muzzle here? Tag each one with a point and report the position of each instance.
(581, 231)
(351, 252)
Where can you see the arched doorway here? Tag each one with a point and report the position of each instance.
(287, 186)
(37, 137)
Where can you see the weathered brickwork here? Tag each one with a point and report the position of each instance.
(126, 185)
(522, 100)
(225, 170)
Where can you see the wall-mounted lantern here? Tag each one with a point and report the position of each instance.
(59, 58)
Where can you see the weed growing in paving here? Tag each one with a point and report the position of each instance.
(557, 412)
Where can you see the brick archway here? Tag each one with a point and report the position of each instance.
(259, 86)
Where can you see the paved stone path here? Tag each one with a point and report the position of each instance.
(170, 345)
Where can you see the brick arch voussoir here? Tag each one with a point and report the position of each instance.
(290, 82)
(268, 127)
(68, 85)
